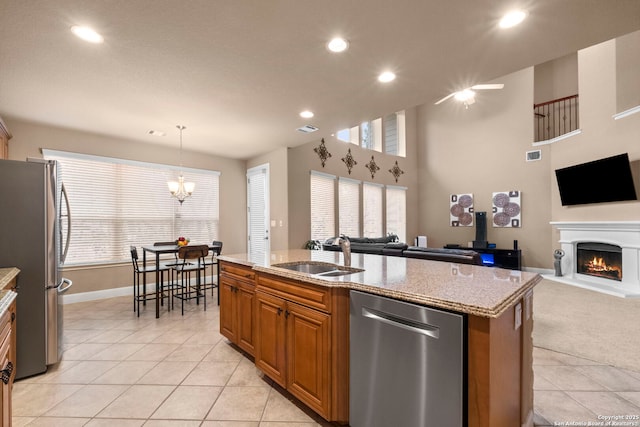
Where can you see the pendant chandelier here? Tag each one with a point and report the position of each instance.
(180, 189)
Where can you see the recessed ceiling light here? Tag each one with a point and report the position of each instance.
(306, 114)
(156, 133)
(338, 45)
(87, 34)
(513, 18)
(386, 77)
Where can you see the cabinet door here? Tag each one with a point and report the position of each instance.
(308, 356)
(270, 337)
(5, 389)
(228, 314)
(245, 301)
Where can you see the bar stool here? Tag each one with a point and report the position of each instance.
(182, 288)
(216, 250)
(137, 273)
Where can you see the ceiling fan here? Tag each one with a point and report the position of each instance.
(467, 96)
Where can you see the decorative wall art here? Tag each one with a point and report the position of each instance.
(506, 209)
(461, 210)
(372, 166)
(322, 152)
(396, 171)
(349, 161)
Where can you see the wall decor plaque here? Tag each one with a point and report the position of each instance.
(461, 210)
(373, 167)
(396, 171)
(507, 209)
(322, 152)
(349, 161)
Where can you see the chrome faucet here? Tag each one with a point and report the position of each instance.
(345, 245)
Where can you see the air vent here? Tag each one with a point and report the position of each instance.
(534, 155)
(308, 129)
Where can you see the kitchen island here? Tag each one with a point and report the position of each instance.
(296, 324)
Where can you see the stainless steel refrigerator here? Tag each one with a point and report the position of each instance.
(30, 233)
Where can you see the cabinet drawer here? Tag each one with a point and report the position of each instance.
(312, 296)
(237, 272)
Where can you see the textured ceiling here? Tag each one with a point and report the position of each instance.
(237, 73)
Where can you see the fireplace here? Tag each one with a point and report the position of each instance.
(599, 260)
(600, 256)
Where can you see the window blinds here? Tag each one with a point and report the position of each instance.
(349, 207)
(397, 212)
(322, 206)
(372, 210)
(116, 203)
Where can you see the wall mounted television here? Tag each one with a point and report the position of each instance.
(603, 180)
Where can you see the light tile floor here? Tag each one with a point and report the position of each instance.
(121, 370)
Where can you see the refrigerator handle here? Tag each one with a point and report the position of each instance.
(63, 256)
(61, 288)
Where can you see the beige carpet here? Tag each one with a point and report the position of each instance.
(587, 324)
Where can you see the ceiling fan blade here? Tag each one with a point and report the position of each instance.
(488, 86)
(445, 98)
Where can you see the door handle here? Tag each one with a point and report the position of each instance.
(63, 256)
(6, 373)
(399, 322)
(61, 288)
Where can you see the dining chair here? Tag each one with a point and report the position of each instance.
(216, 250)
(191, 260)
(138, 272)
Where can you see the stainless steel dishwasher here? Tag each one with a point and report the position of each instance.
(407, 364)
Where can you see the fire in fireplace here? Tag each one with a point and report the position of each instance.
(600, 260)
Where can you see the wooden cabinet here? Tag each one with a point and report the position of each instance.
(7, 356)
(5, 136)
(237, 301)
(302, 342)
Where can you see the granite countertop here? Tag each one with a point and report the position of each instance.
(6, 295)
(471, 289)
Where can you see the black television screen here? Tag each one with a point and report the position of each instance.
(603, 180)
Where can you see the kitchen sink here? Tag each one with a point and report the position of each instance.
(319, 269)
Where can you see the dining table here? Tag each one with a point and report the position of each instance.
(160, 250)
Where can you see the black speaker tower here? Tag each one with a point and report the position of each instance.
(481, 231)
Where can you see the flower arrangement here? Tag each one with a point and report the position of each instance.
(182, 241)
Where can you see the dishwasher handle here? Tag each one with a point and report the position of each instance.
(403, 323)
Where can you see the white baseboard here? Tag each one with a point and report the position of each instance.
(109, 293)
(540, 271)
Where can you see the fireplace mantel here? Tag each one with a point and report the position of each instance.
(625, 234)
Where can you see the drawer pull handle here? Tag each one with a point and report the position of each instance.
(6, 373)
(13, 316)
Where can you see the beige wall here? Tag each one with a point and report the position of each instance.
(601, 136)
(481, 150)
(556, 79)
(303, 159)
(278, 195)
(628, 64)
(29, 138)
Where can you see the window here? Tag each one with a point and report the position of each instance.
(388, 132)
(372, 210)
(349, 207)
(394, 134)
(322, 191)
(116, 203)
(397, 212)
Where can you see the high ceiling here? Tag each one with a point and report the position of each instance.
(237, 73)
